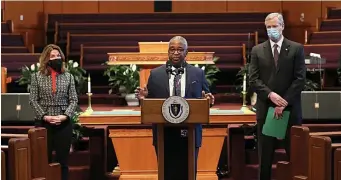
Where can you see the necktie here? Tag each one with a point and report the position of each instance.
(276, 54)
(177, 85)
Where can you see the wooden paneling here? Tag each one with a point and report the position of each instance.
(294, 10)
(254, 6)
(54, 7)
(31, 12)
(80, 7)
(199, 6)
(126, 7)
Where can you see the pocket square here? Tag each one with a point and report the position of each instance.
(194, 82)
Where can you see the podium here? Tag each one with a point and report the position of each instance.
(195, 111)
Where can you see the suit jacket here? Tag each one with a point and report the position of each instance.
(158, 87)
(44, 102)
(287, 79)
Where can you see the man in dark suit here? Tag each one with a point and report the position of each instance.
(277, 73)
(164, 82)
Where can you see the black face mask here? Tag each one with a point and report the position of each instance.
(56, 64)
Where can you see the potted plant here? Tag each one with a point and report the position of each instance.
(26, 73)
(126, 79)
(211, 71)
(78, 74)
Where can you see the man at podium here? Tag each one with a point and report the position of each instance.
(176, 78)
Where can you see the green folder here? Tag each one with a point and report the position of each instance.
(276, 127)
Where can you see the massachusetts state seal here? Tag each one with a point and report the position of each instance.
(175, 109)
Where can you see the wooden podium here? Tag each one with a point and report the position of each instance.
(153, 54)
(151, 113)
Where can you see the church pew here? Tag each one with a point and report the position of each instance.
(337, 164)
(334, 13)
(39, 157)
(325, 37)
(13, 39)
(330, 25)
(63, 36)
(14, 62)
(329, 51)
(321, 157)
(75, 40)
(5, 137)
(39, 162)
(14, 49)
(51, 19)
(19, 159)
(238, 142)
(229, 56)
(299, 164)
(160, 27)
(19, 57)
(7, 27)
(160, 37)
(3, 165)
(75, 46)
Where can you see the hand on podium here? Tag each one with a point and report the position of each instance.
(141, 93)
(208, 96)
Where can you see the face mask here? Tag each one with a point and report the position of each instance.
(273, 34)
(56, 64)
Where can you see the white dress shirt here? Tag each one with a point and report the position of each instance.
(279, 43)
(183, 83)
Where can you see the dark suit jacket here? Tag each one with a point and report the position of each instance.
(44, 102)
(287, 80)
(158, 87)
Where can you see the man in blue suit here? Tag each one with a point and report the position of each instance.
(163, 82)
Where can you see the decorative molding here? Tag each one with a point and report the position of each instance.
(192, 56)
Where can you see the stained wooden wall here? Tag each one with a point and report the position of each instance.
(34, 12)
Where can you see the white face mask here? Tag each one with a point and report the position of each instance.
(274, 34)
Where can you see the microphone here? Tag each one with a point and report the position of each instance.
(181, 70)
(169, 69)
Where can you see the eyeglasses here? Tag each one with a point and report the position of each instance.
(172, 51)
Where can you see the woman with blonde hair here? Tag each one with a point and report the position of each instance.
(54, 99)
